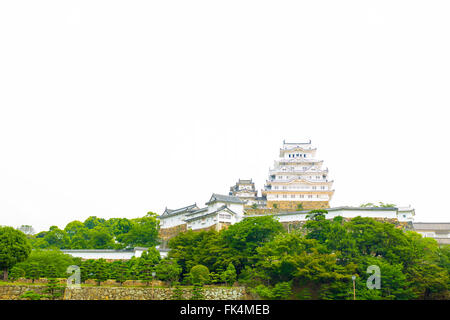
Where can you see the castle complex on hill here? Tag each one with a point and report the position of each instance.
(296, 185)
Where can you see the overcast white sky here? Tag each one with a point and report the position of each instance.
(117, 108)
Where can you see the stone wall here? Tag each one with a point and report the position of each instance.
(13, 292)
(167, 233)
(292, 205)
(218, 226)
(117, 293)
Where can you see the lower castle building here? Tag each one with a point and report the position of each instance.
(222, 211)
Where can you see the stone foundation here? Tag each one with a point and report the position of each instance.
(292, 205)
(167, 233)
(13, 292)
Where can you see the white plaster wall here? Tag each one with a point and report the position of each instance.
(172, 221)
(198, 224)
(362, 213)
(91, 254)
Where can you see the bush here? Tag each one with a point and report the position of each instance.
(281, 291)
(177, 293)
(168, 270)
(16, 273)
(197, 293)
(31, 295)
(199, 275)
(53, 289)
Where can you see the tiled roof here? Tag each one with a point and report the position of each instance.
(223, 198)
(170, 212)
(224, 207)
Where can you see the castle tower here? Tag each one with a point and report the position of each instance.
(298, 180)
(245, 190)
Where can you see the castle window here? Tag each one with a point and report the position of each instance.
(292, 195)
(224, 216)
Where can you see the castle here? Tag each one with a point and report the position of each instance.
(297, 181)
(296, 185)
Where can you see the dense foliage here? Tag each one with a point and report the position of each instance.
(98, 233)
(319, 260)
(315, 261)
(14, 248)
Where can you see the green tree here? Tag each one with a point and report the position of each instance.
(74, 228)
(31, 295)
(229, 275)
(101, 270)
(33, 271)
(199, 275)
(99, 238)
(53, 289)
(87, 270)
(45, 258)
(16, 273)
(152, 255)
(143, 232)
(197, 292)
(57, 238)
(93, 222)
(14, 248)
(177, 293)
(168, 270)
(280, 291)
(428, 280)
(244, 237)
(145, 270)
(80, 241)
(118, 226)
(206, 247)
(119, 271)
(50, 272)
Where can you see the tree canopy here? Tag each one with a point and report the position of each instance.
(99, 233)
(14, 248)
